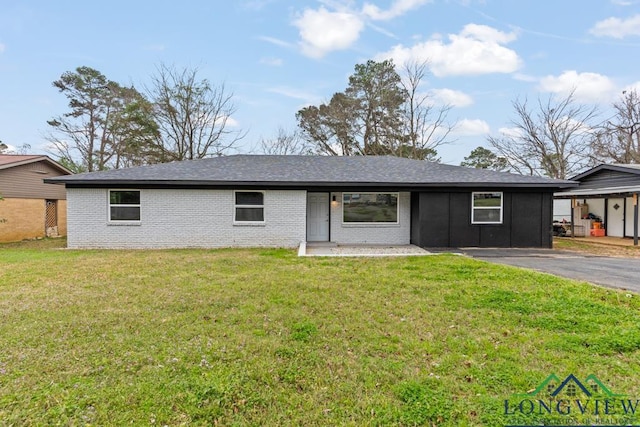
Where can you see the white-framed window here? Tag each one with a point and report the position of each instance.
(248, 206)
(124, 205)
(486, 207)
(370, 208)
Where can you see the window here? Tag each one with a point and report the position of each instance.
(124, 205)
(249, 206)
(486, 208)
(370, 208)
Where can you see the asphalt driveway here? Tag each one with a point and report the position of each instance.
(621, 273)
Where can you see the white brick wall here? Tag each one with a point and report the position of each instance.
(392, 234)
(185, 218)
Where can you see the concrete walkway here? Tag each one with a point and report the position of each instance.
(333, 250)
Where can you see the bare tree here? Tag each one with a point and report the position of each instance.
(285, 143)
(618, 139)
(426, 124)
(552, 141)
(194, 116)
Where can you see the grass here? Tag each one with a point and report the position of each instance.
(595, 248)
(262, 337)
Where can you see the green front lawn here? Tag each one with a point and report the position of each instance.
(262, 337)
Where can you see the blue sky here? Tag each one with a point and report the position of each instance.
(278, 56)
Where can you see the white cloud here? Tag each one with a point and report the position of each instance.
(510, 132)
(525, 77)
(633, 86)
(398, 7)
(337, 25)
(617, 28)
(323, 31)
(477, 49)
(275, 41)
(488, 34)
(272, 62)
(227, 121)
(580, 127)
(382, 30)
(293, 93)
(2, 47)
(11, 149)
(471, 127)
(587, 87)
(452, 97)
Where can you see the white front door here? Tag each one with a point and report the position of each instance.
(317, 217)
(615, 218)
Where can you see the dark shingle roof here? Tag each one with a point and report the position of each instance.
(618, 167)
(300, 171)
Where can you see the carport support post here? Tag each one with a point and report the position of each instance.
(635, 219)
(573, 204)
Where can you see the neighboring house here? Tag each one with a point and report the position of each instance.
(608, 192)
(30, 207)
(281, 201)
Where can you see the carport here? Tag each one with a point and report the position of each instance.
(611, 191)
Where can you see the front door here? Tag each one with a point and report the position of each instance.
(615, 218)
(317, 217)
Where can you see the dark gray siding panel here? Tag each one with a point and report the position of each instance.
(547, 218)
(445, 221)
(527, 228)
(415, 219)
(434, 219)
(609, 178)
(462, 232)
(25, 182)
(494, 236)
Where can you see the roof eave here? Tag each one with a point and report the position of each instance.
(46, 159)
(597, 192)
(111, 183)
(603, 166)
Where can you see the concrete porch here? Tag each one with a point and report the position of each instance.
(330, 249)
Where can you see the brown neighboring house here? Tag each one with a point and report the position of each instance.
(30, 207)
